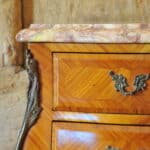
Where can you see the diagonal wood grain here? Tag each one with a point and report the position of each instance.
(82, 82)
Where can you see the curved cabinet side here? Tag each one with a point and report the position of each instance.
(33, 108)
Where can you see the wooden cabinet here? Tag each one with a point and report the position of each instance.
(94, 87)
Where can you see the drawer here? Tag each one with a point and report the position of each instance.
(80, 136)
(83, 83)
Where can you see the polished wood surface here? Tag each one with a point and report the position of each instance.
(101, 118)
(82, 82)
(96, 48)
(39, 137)
(73, 136)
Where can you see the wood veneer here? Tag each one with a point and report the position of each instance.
(39, 137)
(81, 136)
(125, 119)
(82, 82)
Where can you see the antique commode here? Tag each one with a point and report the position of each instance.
(89, 87)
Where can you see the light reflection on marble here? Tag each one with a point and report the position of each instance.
(86, 33)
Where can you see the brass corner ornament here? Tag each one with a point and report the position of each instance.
(33, 108)
(121, 83)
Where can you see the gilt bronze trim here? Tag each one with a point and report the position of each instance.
(33, 108)
(121, 83)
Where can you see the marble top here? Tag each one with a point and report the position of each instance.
(86, 33)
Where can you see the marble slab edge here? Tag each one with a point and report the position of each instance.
(86, 33)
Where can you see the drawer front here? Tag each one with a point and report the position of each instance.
(78, 136)
(82, 82)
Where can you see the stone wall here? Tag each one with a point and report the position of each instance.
(10, 24)
(13, 88)
(85, 11)
(13, 79)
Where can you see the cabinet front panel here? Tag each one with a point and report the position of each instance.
(82, 83)
(80, 136)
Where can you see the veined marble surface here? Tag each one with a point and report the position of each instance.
(86, 33)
